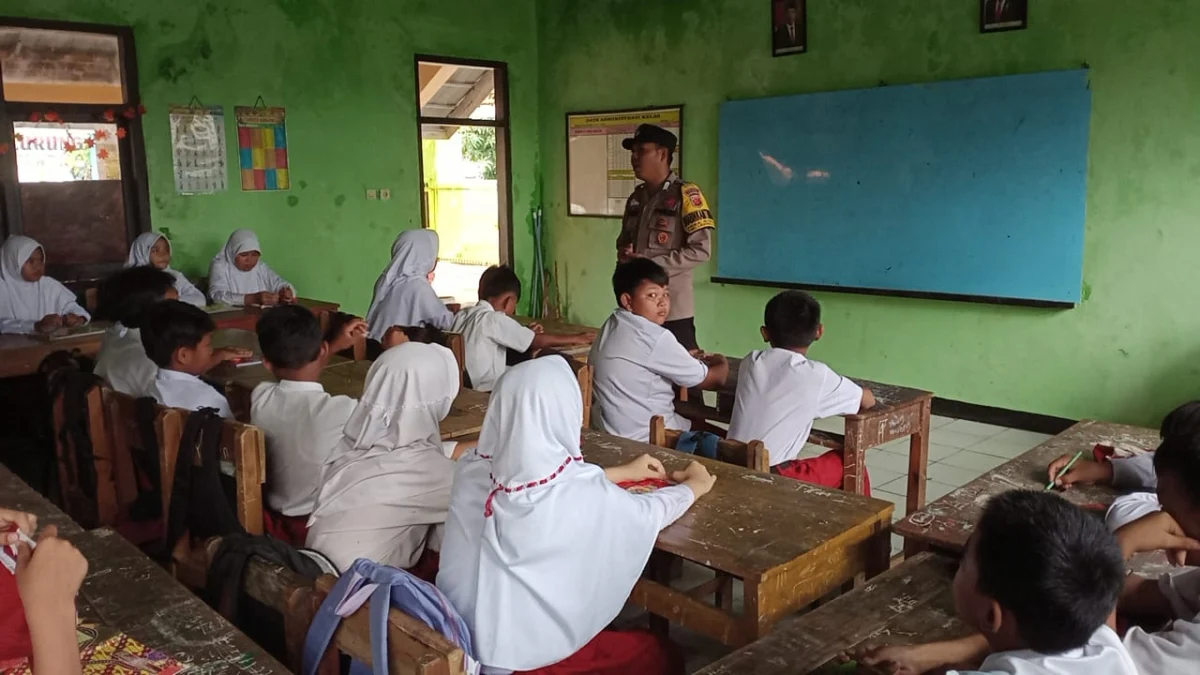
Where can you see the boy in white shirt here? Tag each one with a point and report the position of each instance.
(490, 331)
(1171, 597)
(301, 422)
(780, 392)
(638, 363)
(123, 299)
(178, 339)
(1039, 581)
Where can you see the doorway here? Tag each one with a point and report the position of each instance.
(465, 171)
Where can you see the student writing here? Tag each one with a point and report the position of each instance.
(238, 276)
(30, 301)
(178, 339)
(404, 295)
(154, 249)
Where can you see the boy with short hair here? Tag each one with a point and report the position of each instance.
(780, 392)
(1039, 581)
(178, 339)
(1173, 597)
(123, 299)
(638, 363)
(490, 331)
(301, 422)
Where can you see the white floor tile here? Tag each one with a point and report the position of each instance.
(973, 461)
(898, 499)
(954, 439)
(834, 425)
(936, 421)
(952, 475)
(999, 448)
(1021, 437)
(974, 428)
(936, 452)
(935, 490)
(897, 544)
(888, 461)
(883, 476)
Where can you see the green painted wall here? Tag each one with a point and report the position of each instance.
(344, 70)
(1129, 352)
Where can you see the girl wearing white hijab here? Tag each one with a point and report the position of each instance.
(386, 488)
(30, 301)
(403, 294)
(238, 277)
(542, 549)
(152, 248)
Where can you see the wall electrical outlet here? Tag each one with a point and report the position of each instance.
(372, 195)
(385, 194)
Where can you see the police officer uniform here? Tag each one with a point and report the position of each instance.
(672, 226)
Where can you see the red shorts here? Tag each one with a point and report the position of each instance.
(826, 470)
(291, 530)
(618, 652)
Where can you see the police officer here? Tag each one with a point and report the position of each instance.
(668, 221)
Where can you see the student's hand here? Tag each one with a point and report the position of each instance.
(49, 323)
(268, 299)
(625, 253)
(902, 659)
(454, 307)
(48, 577)
(73, 320)
(583, 338)
(394, 336)
(713, 359)
(536, 327)
(354, 330)
(1156, 532)
(642, 468)
(1084, 472)
(230, 354)
(25, 522)
(287, 295)
(697, 477)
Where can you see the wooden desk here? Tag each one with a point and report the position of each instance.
(127, 592)
(557, 327)
(947, 523)
(899, 412)
(246, 318)
(22, 354)
(790, 542)
(910, 604)
(17, 495)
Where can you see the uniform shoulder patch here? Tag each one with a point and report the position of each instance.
(696, 214)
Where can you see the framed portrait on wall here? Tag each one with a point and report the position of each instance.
(1000, 15)
(789, 27)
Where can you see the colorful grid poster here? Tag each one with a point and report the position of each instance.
(262, 148)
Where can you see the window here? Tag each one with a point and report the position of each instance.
(73, 173)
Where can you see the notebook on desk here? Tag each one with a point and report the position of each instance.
(85, 330)
(220, 308)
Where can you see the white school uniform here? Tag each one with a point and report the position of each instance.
(385, 490)
(123, 362)
(24, 303)
(523, 566)
(779, 395)
(636, 361)
(302, 425)
(489, 335)
(176, 389)
(1103, 653)
(139, 254)
(229, 285)
(1177, 648)
(403, 295)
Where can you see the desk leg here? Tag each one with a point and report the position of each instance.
(879, 552)
(918, 459)
(854, 458)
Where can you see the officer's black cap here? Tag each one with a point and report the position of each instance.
(649, 133)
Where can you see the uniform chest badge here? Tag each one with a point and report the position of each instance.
(663, 237)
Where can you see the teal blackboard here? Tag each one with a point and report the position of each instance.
(970, 189)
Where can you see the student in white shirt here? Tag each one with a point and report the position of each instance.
(238, 276)
(1131, 473)
(638, 362)
(154, 249)
(490, 331)
(404, 294)
(301, 422)
(1039, 581)
(528, 521)
(780, 392)
(30, 301)
(178, 339)
(1172, 597)
(123, 299)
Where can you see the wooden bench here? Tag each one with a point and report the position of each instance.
(752, 455)
(102, 508)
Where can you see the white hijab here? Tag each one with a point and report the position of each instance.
(391, 450)
(139, 255)
(29, 300)
(403, 296)
(225, 275)
(541, 549)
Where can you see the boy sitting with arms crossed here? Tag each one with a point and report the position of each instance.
(1039, 580)
(780, 392)
(301, 422)
(638, 362)
(178, 339)
(490, 331)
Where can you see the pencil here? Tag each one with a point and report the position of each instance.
(1050, 485)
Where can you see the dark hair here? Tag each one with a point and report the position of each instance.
(1055, 567)
(629, 275)
(792, 319)
(126, 295)
(430, 335)
(498, 280)
(1183, 420)
(169, 325)
(1179, 455)
(289, 336)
